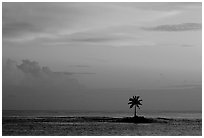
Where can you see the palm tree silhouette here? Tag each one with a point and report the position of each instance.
(135, 101)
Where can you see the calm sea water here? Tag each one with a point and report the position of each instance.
(30, 123)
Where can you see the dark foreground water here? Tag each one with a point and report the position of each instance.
(95, 123)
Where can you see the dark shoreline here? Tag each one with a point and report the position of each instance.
(136, 120)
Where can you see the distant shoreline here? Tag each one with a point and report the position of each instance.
(22, 119)
(113, 114)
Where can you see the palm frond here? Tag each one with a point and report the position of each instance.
(139, 103)
(131, 105)
(131, 99)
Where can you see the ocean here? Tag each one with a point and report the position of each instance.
(86, 123)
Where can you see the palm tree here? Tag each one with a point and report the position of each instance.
(135, 101)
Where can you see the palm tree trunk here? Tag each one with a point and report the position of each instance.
(135, 111)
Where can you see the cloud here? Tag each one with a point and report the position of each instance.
(105, 36)
(96, 24)
(23, 20)
(92, 39)
(175, 27)
(98, 36)
(31, 74)
(80, 66)
(10, 73)
(36, 87)
(185, 86)
(32, 67)
(165, 6)
(76, 73)
(33, 20)
(187, 45)
(17, 28)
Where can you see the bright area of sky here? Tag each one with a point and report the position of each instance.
(94, 56)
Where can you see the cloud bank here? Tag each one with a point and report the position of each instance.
(30, 73)
(176, 27)
(28, 84)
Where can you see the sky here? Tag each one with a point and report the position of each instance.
(94, 56)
